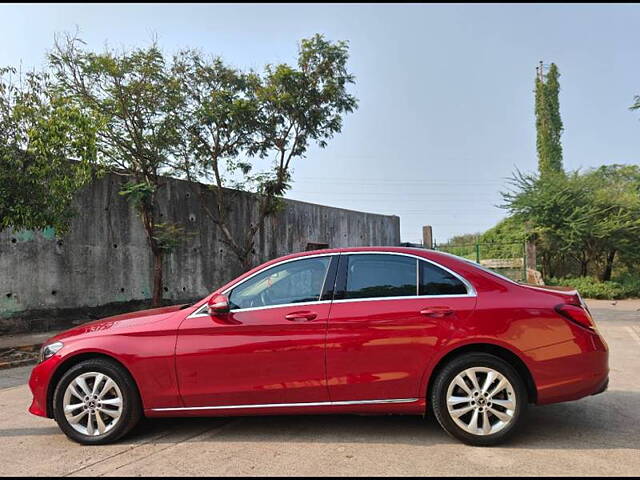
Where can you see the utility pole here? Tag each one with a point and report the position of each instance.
(427, 237)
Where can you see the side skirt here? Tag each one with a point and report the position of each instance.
(414, 406)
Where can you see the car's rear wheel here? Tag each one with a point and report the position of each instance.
(96, 402)
(479, 398)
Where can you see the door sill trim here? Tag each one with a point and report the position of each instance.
(285, 405)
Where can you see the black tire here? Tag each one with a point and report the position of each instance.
(131, 409)
(447, 375)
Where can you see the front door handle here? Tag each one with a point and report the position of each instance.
(436, 312)
(301, 316)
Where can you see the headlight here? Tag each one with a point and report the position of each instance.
(49, 350)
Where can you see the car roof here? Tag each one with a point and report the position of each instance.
(421, 252)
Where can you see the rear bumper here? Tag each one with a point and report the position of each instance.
(603, 388)
(572, 369)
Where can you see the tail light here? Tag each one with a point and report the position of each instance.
(577, 315)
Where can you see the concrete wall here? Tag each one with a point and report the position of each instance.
(105, 258)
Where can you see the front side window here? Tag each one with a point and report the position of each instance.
(298, 281)
(437, 281)
(376, 275)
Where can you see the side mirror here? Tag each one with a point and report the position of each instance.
(218, 304)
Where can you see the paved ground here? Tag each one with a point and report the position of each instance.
(598, 435)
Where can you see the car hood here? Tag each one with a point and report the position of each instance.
(124, 320)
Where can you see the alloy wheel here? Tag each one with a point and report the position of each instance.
(92, 403)
(481, 401)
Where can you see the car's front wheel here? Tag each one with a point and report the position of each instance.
(479, 398)
(96, 402)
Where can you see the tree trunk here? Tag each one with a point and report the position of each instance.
(158, 254)
(584, 264)
(158, 258)
(608, 268)
(247, 261)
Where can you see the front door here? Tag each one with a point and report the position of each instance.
(389, 313)
(269, 349)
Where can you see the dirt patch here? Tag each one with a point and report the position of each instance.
(15, 357)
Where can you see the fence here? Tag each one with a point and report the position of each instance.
(508, 259)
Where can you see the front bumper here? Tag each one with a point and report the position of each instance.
(38, 384)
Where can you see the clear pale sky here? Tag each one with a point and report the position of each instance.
(446, 91)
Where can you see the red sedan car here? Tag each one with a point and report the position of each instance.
(359, 330)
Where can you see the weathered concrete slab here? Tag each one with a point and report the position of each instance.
(105, 259)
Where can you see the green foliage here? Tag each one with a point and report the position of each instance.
(589, 287)
(548, 121)
(464, 239)
(135, 100)
(220, 118)
(306, 103)
(137, 193)
(588, 218)
(505, 240)
(170, 235)
(46, 147)
(231, 117)
(132, 97)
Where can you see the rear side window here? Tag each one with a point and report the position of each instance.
(376, 275)
(437, 281)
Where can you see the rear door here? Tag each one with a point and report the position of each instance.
(389, 313)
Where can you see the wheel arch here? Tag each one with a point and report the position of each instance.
(75, 360)
(483, 347)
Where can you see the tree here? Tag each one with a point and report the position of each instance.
(616, 232)
(232, 117)
(47, 146)
(548, 122)
(221, 123)
(505, 239)
(133, 98)
(587, 217)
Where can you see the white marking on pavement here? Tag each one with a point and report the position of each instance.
(633, 334)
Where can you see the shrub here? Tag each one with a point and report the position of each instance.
(630, 283)
(589, 287)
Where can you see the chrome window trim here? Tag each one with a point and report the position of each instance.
(201, 312)
(406, 297)
(471, 292)
(285, 405)
(277, 265)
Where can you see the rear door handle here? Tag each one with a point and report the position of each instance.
(301, 316)
(436, 312)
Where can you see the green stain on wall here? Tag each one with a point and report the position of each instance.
(25, 235)
(49, 233)
(9, 305)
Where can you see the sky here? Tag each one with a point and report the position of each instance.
(445, 91)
